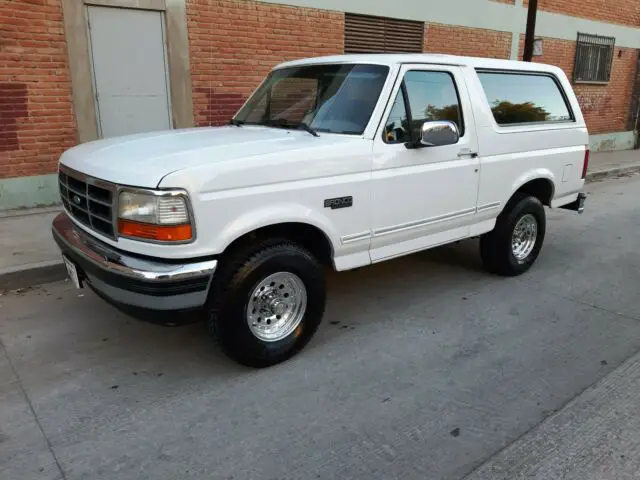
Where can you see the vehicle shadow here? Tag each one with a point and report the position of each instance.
(406, 286)
(365, 297)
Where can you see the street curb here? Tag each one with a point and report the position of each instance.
(612, 172)
(25, 212)
(32, 274)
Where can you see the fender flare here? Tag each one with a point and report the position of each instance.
(274, 215)
(531, 175)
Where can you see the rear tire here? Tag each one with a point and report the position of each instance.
(515, 243)
(267, 302)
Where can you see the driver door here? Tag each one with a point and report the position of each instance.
(422, 197)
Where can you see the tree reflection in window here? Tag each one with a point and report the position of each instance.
(517, 98)
(506, 112)
(448, 112)
(432, 96)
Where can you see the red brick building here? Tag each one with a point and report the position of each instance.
(76, 70)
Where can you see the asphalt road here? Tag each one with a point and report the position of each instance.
(424, 368)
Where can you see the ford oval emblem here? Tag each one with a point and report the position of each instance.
(77, 200)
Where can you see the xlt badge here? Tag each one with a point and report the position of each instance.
(340, 202)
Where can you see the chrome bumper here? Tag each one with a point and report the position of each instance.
(129, 280)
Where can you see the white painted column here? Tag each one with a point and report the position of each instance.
(515, 34)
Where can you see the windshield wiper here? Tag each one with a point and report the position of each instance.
(282, 123)
(307, 127)
(237, 123)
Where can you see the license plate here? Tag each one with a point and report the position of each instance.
(72, 271)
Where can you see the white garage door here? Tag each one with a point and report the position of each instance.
(129, 70)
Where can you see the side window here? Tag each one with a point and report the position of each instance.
(517, 98)
(397, 128)
(432, 96)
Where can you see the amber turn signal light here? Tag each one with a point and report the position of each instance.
(161, 233)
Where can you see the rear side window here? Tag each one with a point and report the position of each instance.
(517, 98)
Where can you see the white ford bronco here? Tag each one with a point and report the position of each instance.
(336, 161)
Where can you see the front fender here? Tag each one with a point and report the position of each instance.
(274, 214)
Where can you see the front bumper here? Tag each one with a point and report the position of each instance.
(130, 280)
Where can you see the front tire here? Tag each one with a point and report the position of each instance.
(268, 301)
(515, 243)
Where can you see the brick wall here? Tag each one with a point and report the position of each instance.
(605, 107)
(36, 119)
(625, 12)
(466, 41)
(233, 44)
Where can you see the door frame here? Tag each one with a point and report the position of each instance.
(78, 47)
(94, 78)
(426, 231)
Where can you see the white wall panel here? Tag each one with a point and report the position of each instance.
(129, 70)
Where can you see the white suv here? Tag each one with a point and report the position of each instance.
(336, 161)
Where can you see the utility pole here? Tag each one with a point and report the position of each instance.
(531, 30)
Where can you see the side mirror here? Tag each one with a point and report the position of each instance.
(439, 133)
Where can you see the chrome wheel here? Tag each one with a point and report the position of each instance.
(276, 306)
(524, 237)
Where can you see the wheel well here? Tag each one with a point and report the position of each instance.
(541, 188)
(307, 236)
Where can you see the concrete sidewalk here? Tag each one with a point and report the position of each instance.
(604, 165)
(594, 437)
(29, 255)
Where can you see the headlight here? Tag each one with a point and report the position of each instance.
(160, 217)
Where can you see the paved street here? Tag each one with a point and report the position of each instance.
(424, 368)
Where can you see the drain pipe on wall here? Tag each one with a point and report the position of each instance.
(636, 133)
(531, 30)
(635, 127)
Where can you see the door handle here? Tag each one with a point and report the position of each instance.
(467, 153)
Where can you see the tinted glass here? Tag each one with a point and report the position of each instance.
(329, 98)
(520, 98)
(432, 96)
(396, 129)
(289, 99)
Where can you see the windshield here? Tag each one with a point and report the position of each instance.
(327, 98)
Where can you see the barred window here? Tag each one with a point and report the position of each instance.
(369, 34)
(594, 56)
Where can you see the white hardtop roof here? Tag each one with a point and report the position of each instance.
(427, 58)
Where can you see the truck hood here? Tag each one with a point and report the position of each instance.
(142, 160)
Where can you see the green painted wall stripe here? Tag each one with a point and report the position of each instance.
(609, 142)
(29, 192)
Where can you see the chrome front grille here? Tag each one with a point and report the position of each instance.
(89, 200)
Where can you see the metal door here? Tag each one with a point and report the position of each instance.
(423, 197)
(129, 67)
